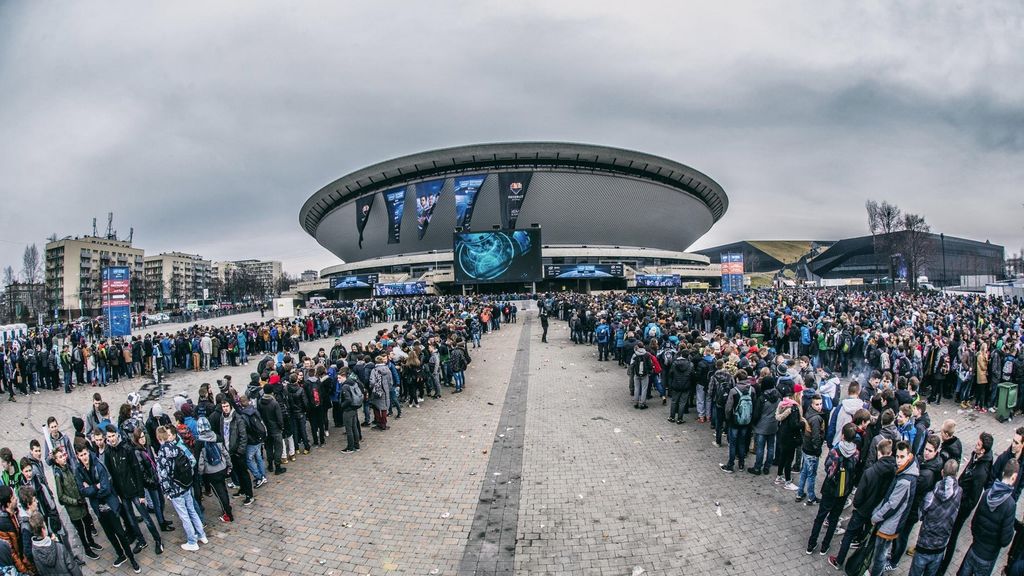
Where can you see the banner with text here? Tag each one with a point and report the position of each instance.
(363, 206)
(115, 290)
(732, 272)
(513, 186)
(394, 201)
(427, 194)
(466, 190)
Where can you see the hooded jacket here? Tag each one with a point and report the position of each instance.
(764, 420)
(124, 470)
(52, 559)
(680, 374)
(890, 514)
(929, 474)
(813, 438)
(273, 419)
(992, 526)
(95, 485)
(951, 448)
(873, 484)
(381, 373)
(731, 404)
(938, 512)
(847, 408)
(1000, 464)
(890, 432)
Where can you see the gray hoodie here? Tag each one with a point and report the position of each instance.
(888, 516)
(51, 559)
(848, 407)
(938, 511)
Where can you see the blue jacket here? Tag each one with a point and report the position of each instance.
(620, 336)
(602, 332)
(805, 335)
(88, 480)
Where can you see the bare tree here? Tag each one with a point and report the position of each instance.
(31, 271)
(884, 219)
(9, 281)
(917, 246)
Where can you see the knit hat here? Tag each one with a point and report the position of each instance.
(157, 410)
(274, 378)
(798, 388)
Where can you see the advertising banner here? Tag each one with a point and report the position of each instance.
(466, 190)
(354, 281)
(115, 291)
(394, 201)
(497, 256)
(583, 271)
(657, 280)
(513, 186)
(363, 206)
(416, 288)
(427, 194)
(732, 272)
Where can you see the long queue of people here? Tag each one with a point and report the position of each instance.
(845, 380)
(120, 467)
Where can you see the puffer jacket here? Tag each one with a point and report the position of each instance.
(938, 512)
(873, 484)
(889, 515)
(992, 526)
(765, 422)
(929, 474)
(680, 375)
(68, 493)
(814, 433)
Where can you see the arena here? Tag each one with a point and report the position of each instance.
(619, 212)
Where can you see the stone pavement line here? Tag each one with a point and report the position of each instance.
(491, 549)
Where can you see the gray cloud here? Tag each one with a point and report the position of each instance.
(206, 127)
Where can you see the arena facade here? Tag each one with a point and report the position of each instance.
(593, 205)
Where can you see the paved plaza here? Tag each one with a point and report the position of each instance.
(541, 467)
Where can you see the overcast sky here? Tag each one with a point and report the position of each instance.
(205, 126)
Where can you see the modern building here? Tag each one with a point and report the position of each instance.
(593, 205)
(942, 259)
(173, 278)
(73, 268)
(763, 256)
(23, 301)
(309, 276)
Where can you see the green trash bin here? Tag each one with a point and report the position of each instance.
(1007, 400)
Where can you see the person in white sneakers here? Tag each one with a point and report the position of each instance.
(176, 470)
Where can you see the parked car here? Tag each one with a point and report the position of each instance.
(157, 318)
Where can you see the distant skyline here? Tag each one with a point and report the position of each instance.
(205, 127)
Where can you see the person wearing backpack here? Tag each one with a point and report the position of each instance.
(233, 434)
(255, 436)
(789, 437)
(174, 468)
(813, 438)
(929, 474)
(351, 399)
(380, 398)
(273, 419)
(680, 383)
(641, 367)
(603, 334)
(839, 477)
(870, 491)
(739, 410)
(214, 468)
(722, 383)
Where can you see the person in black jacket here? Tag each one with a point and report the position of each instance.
(680, 383)
(273, 419)
(350, 405)
(992, 526)
(126, 476)
(871, 489)
(973, 480)
(929, 474)
(952, 448)
(1014, 452)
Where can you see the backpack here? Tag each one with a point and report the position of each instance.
(722, 385)
(839, 473)
(183, 472)
(830, 431)
(212, 452)
(791, 429)
(376, 386)
(744, 410)
(846, 344)
(255, 430)
(884, 361)
(357, 395)
(668, 355)
(1008, 368)
(316, 395)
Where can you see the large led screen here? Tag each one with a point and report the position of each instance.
(497, 256)
(657, 281)
(355, 281)
(400, 289)
(583, 271)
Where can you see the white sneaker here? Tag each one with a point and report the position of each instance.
(204, 540)
(190, 547)
(840, 531)
(327, 433)
(779, 481)
(790, 486)
(848, 503)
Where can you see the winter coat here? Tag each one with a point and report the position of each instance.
(296, 399)
(273, 419)
(815, 437)
(68, 494)
(975, 477)
(680, 375)
(95, 485)
(1000, 464)
(874, 483)
(765, 422)
(889, 432)
(847, 408)
(732, 403)
(951, 449)
(11, 533)
(929, 474)
(124, 470)
(992, 526)
(938, 512)
(236, 438)
(890, 514)
(52, 559)
(381, 373)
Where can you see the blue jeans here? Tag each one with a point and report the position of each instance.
(460, 380)
(243, 356)
(738, 438)
(881, 555)
(808, 473)
(702, 409)
(764, 450)
(254, 461)
(476, 339)
(975, 566)
(925, 564)
(168, 364)
(658, 385)
(185, 506)
(395, 404)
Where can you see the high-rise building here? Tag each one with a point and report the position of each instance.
(265, 272)
(173, 278)
(73, 269)
(309, 276)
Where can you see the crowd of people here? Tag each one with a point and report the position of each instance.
(118, 467)
(842, 381)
